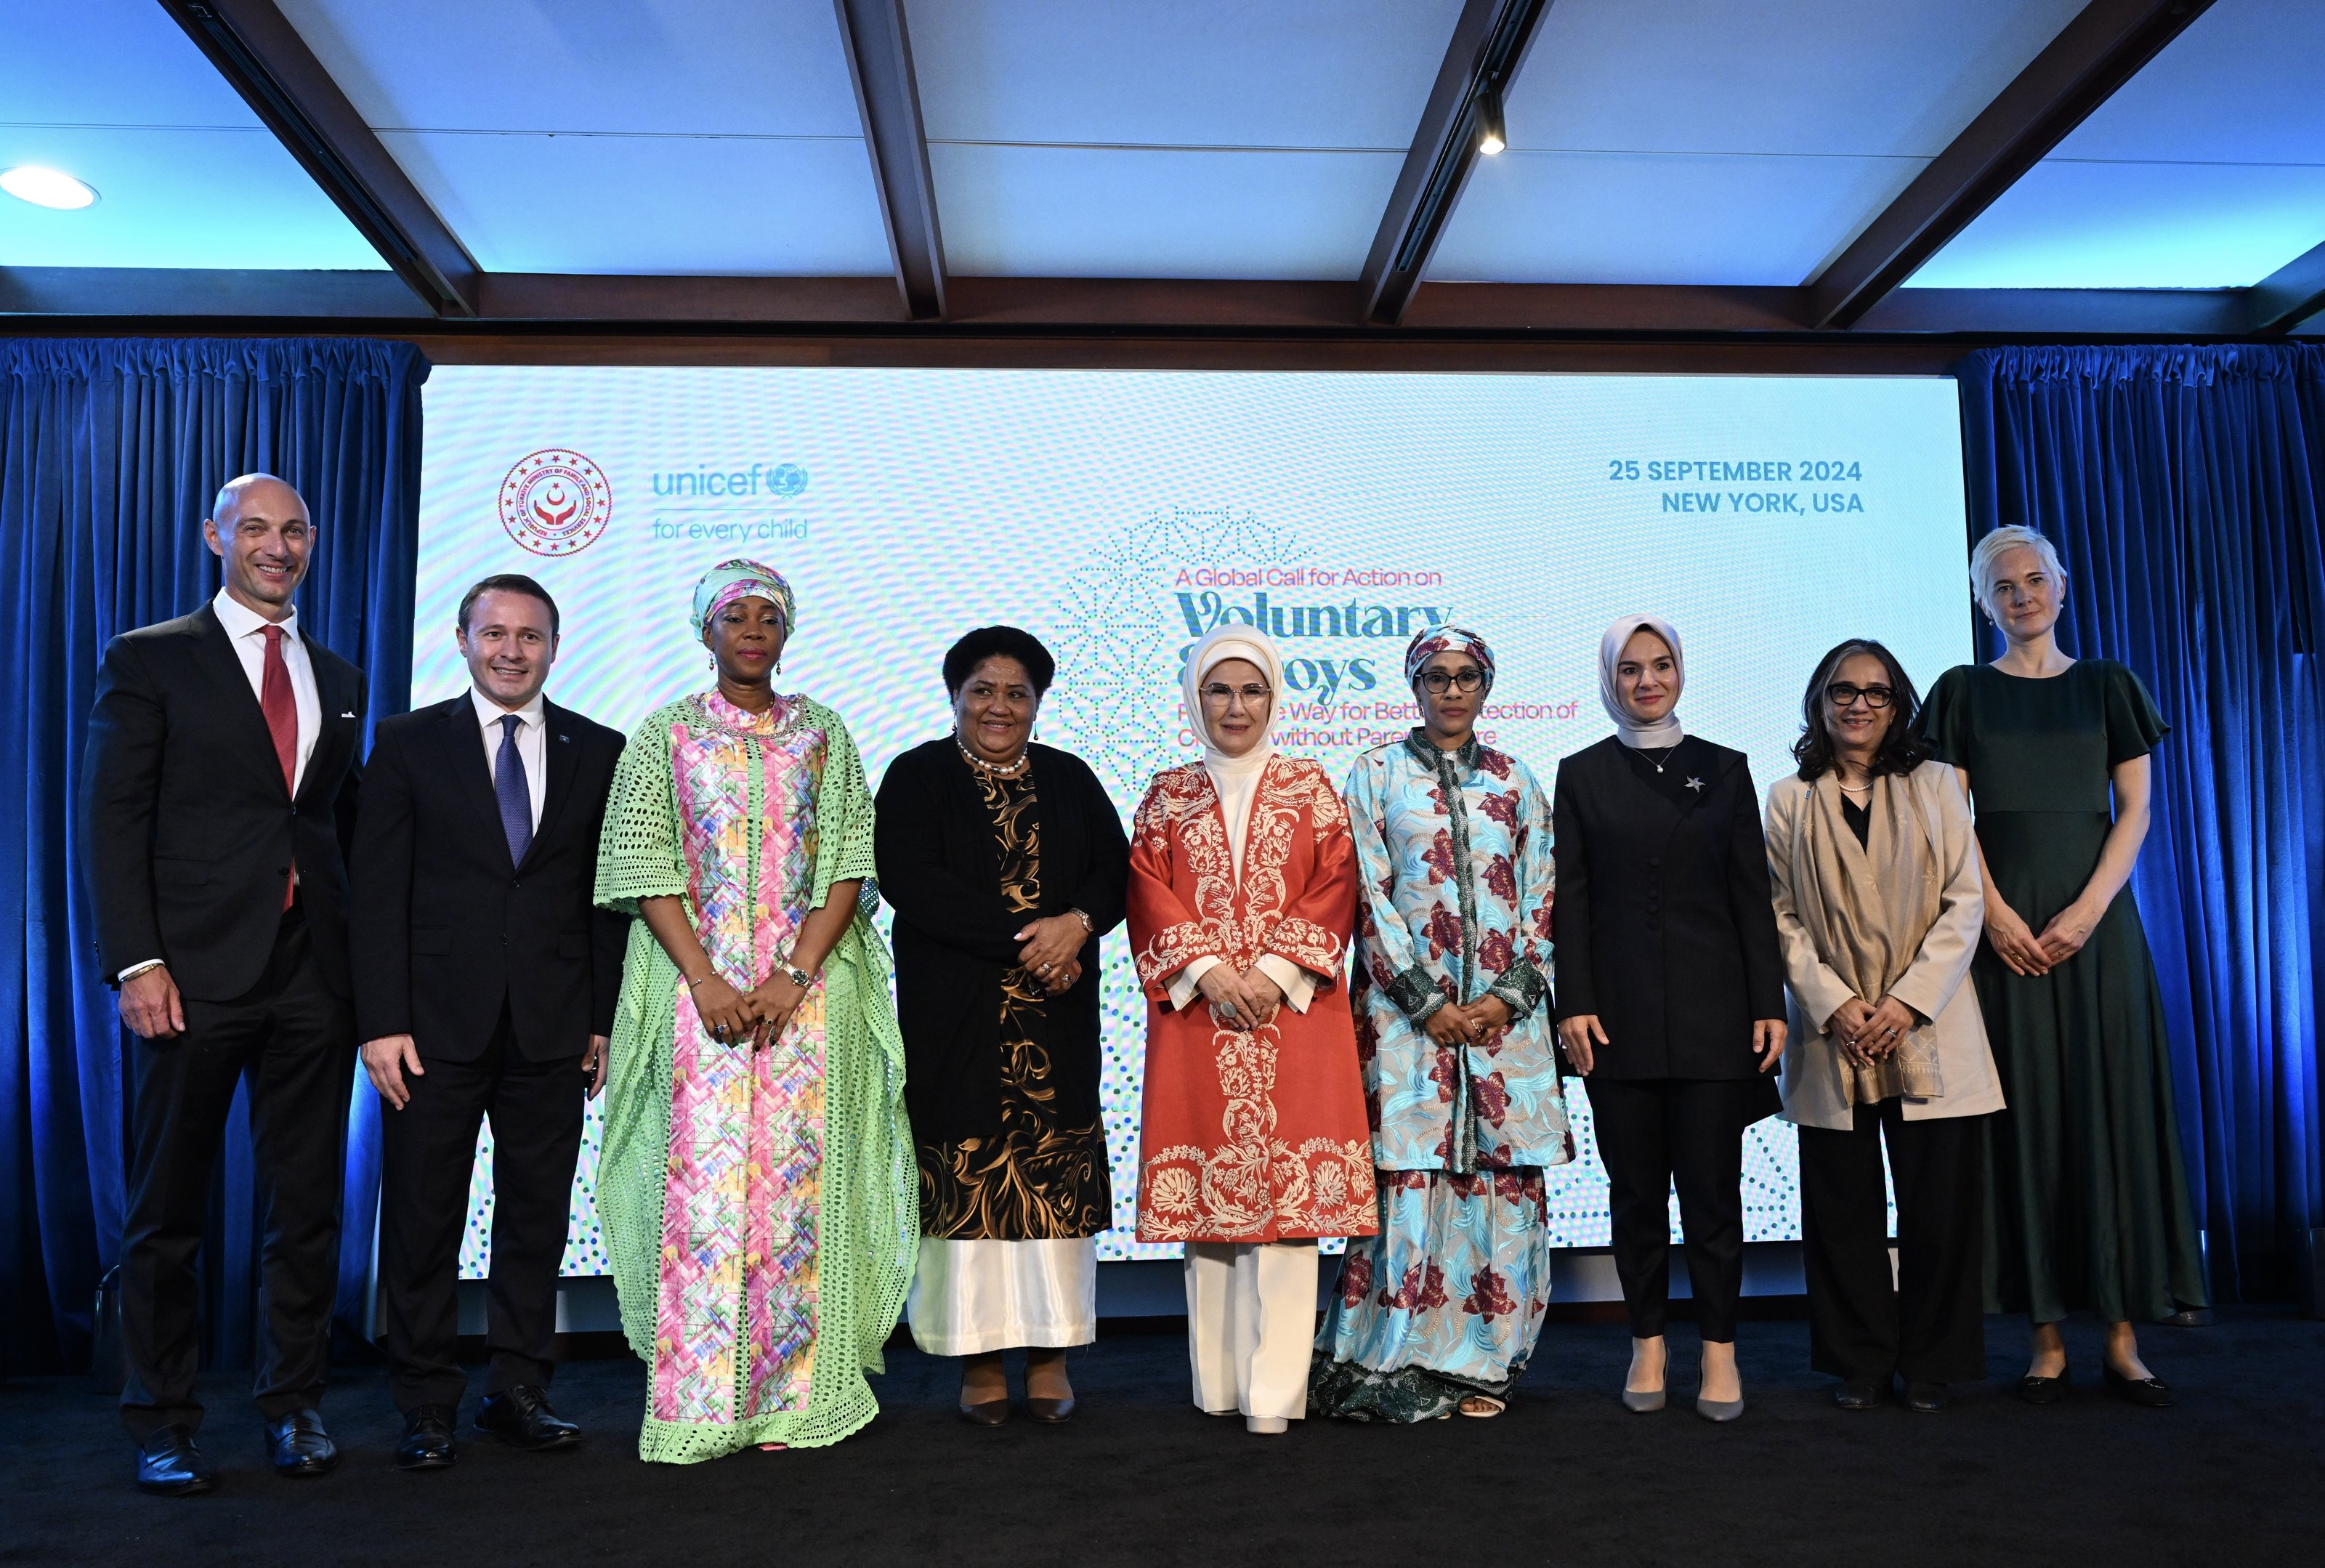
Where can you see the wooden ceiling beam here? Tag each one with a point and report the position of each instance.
(1488, 46)
(2080, 70)
(888, 99)
(2291, 294)
(261, 56)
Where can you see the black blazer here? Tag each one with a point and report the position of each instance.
(1662, 919)
(187, 829)
(954, 939)
(445, 929)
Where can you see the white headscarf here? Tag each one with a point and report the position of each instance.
(1664, 731)
(1237, 778)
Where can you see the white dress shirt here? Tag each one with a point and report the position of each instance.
(531, 743)
(246, 628)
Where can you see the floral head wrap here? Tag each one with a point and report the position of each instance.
(1448, 638)
(729, 580)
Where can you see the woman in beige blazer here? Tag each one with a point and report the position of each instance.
(1879, 904)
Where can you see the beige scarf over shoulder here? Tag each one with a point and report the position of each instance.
(1867, 908)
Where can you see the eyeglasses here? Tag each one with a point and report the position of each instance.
(1224, 696)
(1841, 694)
(1469, 678)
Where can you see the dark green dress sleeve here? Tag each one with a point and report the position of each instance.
(2133, 725)
(1944, 721)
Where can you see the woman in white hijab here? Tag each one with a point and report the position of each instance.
(1254, 1142)
(1670, 984)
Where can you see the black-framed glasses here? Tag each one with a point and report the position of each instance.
(1225, 695)
(1841, 694)
(1469, 678)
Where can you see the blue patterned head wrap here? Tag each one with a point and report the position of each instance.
(1448, 638)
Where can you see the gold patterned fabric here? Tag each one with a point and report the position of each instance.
(1040, 1180)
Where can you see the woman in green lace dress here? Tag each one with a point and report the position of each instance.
(2087, 1203)
(756, 1186)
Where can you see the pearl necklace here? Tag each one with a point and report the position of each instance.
(1651, 762)
(999, 769)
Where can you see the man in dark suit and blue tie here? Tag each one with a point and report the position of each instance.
(218, 792)
(485, 978)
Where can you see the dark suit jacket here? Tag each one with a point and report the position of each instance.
(187, 829)
(1662, 919)
(446, 930)
(954, 939)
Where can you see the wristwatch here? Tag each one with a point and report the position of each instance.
(799, 977)
(1089, 928)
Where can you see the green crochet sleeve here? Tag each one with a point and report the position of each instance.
(638, 853)
(843, 809)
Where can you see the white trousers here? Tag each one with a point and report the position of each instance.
(1251, 1325)
(972, 1297)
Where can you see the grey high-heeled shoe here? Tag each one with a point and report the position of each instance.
(1719, 1409)
(1643, 1401)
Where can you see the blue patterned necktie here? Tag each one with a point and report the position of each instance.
(510, 785)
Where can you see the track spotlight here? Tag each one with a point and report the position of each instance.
(1492, 134)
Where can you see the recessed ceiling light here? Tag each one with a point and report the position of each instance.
(46, 188)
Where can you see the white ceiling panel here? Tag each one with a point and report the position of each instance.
(1725, 141)
(114, 94)
(2206, 169)
(649, 205)
(1214, 138)
(1608, 217)
(618, 137)
(1110, 212)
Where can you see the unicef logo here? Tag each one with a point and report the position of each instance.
(787, 479)
(558, 502)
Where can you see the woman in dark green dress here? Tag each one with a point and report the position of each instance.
(2088, 1196)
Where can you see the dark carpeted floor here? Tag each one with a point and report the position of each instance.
(1568, 1476)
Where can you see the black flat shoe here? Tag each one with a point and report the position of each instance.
(427, 1439)
(521, 1417)
(1053, 1412)
(169, 1465)
(1928, 1398)
(2151, 1393)
(1858, 1394)
(299, 1448)
(992, 1412)
(2036, 1390)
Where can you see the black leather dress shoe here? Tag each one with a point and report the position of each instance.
(2036, 1390)
(521, 1415)
(169, 1465)
(427, 1439)
(299, 1447)
(990, 1413)
(1049, 1412)
(1858, 1394)
(1928, 1398)
(2152, 1393)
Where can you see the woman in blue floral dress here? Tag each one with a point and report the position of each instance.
(1439, 1312)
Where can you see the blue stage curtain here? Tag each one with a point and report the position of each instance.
(2183, 486)
(110, 452)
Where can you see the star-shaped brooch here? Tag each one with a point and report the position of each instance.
(1695, 784)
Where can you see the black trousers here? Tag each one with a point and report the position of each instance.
(1928, 1325)
(293, 1042)
(427, 1150)
(1656, 1134)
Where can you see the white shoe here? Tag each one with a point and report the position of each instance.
(1266, 1425)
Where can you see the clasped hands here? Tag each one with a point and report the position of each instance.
(1870, 1034)
(2017, 945)
(1052, 952)
(1455, 1024)
(1248, 998)
(759, 1014)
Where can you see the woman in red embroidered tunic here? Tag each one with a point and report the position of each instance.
(1242, 892)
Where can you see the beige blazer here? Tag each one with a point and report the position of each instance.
(1935, 987)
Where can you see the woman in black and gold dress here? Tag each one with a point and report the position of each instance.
(1005, 863)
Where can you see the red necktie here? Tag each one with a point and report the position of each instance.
(281, 710)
